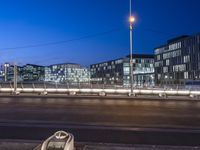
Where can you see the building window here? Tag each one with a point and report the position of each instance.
(186, 59)
(175, 46)
(159, 64)
(167, 62)
(126, 70)
(165, 69)
(172, 54)
(119, 61)
(158, 57)
(178, 68)
(186, 75)
(159, 50)
(159, 76)
(182, 67)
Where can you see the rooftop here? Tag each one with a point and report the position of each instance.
(128, 56)
(177, 38)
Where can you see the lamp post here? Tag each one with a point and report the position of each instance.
(6, 65)
(131, 21)
(15, 78)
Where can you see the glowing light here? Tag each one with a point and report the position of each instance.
(131, 19)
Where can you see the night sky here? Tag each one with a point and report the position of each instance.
(91, 30)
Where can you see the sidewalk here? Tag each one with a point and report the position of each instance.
(26, 145)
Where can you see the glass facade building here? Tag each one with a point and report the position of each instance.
(117, 72)
(67, 73)
(60, 73)
(32, 72)
(178, 61)
(28, 72)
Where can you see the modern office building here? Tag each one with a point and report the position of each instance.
(117, 71)
(2, 74)
(60, 73)
(28, 72)
(67, 73)
(7, 72)
(31, 72)
(178, 61)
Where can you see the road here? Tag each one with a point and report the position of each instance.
(111, 120)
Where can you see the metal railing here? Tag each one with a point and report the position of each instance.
(100, 89)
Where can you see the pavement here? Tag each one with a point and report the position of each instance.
(27, 145)
(150, 147)
(17, 145)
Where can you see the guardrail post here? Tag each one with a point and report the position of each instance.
(22, 85)
(45, 87)
(33, 85)
(132, 94)
(90, 86)
(102, 93)
(79, 85)
(56, 86)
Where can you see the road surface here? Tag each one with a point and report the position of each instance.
(167, 122)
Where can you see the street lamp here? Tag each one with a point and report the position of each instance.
(6, 65)
(131, 21)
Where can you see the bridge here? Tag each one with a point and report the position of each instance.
(101, 90)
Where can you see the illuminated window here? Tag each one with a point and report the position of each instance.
(186, 75)
(159, 76)
(186, 59)
(158, 57)
(167, 62)
(126, 70)
(165, 69)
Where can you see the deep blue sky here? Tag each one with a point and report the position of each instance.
(27, 22)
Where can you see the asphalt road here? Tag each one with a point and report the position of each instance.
(126, 121)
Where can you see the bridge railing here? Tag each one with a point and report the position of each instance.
(100, 89)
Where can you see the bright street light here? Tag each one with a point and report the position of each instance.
(131, 19)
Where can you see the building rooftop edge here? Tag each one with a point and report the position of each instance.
(172, 40)
(177, 38)
(127, 56)
(64, 64)
(34, 65)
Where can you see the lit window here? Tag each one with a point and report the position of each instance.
(165, 69)
(158, 57)
(186, 75)
(167, 62)
(126, 70)
(186, 59)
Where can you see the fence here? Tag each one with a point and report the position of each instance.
(85, 88)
